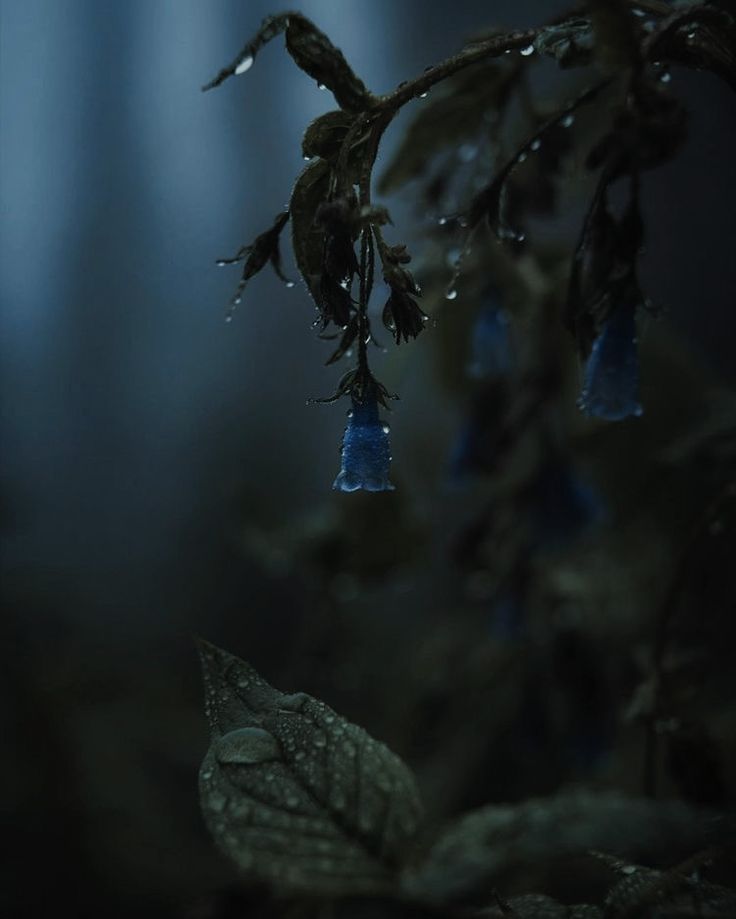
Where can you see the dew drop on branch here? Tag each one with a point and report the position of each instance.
(244, 65)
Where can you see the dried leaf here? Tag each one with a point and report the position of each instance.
(310, 191)
(295, 795)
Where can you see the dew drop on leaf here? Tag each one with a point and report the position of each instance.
(244, 65)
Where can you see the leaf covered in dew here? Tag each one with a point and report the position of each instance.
(299, 798)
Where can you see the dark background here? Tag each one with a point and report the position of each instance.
(145, 440)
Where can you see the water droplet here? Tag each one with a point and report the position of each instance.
(385, 428)
(244, 65)
(451, 294)
(306, 158)
(424, 95)
(525, 52)
(290, 284)
(691, 36)
(522, 156)
(666, 77)
(229, 317)
(467, 153)
(443, 221)
(321, 86)
(221, 262)
(535, 144)
(237, 301)
(567, 120)
(507, 51)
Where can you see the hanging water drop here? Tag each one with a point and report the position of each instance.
(424, 94)
(221, 262)
(289, 284)
(525, 52)
(321, 87)
(443, 221)
(451, 294)
(385, 428)
(244, 65)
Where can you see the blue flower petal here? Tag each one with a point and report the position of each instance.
(491, 351)
(366, 454)
(611, 381)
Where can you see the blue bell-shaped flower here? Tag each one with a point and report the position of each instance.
(366, 454)
(611, 381)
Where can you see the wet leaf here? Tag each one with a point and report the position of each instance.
(300, 799)
(315, 54)
(270, 28)
(311, 190)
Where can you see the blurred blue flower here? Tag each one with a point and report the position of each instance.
(366, 455)
(491, 351)
(611, 382)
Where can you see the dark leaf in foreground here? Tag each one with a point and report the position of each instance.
(300, 799)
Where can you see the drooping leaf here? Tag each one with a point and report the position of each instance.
(310, 192)
(256, 256)
(300, 799)
(270, 28)
(315, 54)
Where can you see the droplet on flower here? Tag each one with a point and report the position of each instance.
(611, 380)
(244, 65)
